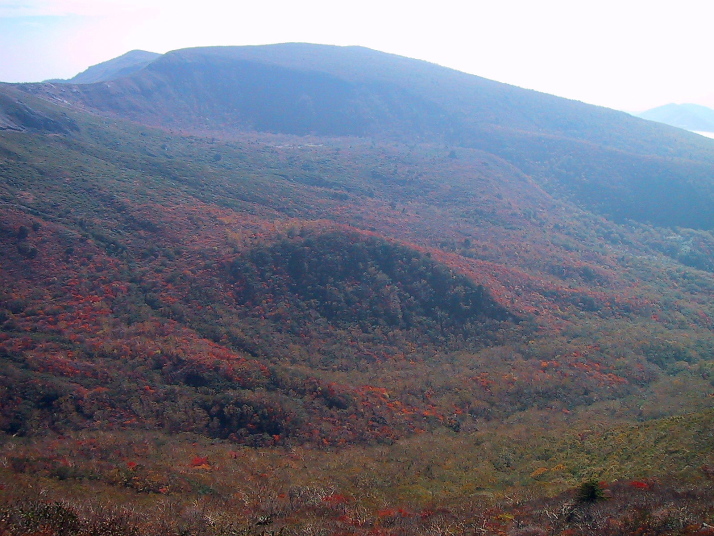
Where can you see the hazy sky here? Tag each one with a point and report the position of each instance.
(625, 54)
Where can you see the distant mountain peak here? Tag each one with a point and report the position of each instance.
(119, 67)
(694, 117)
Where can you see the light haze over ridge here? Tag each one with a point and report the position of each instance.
(629, 55)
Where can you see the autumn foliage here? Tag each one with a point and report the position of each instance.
(376, 338)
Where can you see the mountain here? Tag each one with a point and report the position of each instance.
(653, 173)
(421, 304)
(113, 69)
(687, 116)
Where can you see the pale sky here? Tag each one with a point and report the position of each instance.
(625, 54)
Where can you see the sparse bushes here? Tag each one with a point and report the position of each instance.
(59, 518)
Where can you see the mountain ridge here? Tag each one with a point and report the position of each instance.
(303, 89)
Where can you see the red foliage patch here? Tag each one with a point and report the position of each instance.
(198, 461)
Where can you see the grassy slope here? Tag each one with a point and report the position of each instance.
(487, 479)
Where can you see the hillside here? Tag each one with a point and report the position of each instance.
(373, 334)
